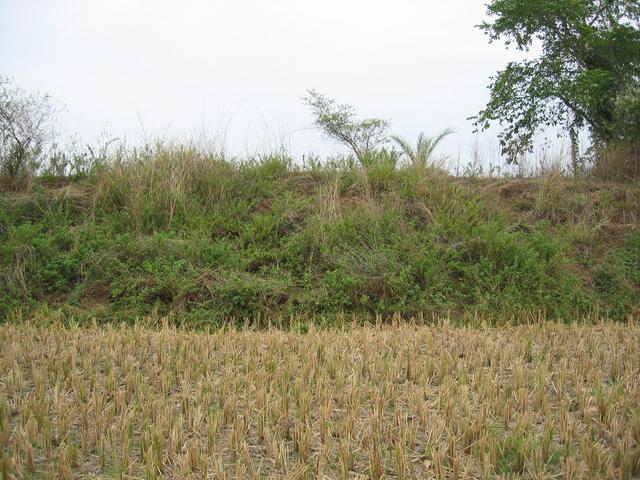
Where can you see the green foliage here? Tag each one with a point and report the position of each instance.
(626, 122)
(617, 277)
(590, 58)
(339, 122)
(181, 233)
(422, 154)
(24, 133)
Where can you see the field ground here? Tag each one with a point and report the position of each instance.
(545, 400)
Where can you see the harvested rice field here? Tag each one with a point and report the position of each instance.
(545, 400)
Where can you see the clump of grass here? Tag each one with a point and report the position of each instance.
(402, 400)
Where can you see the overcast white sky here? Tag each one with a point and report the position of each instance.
(154, 67)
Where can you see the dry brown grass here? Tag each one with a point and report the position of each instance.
(397, 401)
(620, 163)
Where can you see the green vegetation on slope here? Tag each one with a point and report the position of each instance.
(175, 231)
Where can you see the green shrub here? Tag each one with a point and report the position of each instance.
(201, 239)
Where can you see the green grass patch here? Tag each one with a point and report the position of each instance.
(174, 231)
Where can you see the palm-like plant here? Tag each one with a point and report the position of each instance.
(421, 154)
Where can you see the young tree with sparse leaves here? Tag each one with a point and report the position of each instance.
(25, 129)
(339, 122)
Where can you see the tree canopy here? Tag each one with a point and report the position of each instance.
(590, 58)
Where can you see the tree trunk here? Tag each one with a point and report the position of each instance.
(575, 151)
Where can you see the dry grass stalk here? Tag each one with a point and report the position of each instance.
(400, 401)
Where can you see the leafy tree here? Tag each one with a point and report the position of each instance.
(339, 122)
(626, 124)
(590, 57)
(421, 154)
(627, 118)
(25, 119)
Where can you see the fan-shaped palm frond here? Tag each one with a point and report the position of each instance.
(404, 145)
(425, 145)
